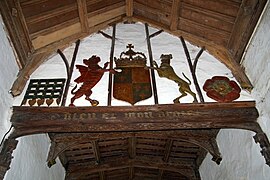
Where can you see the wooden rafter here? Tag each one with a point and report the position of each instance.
(23, 24)
(82, 9)
(174, 15)
(129, 9)
(17, 32)
(245, 23)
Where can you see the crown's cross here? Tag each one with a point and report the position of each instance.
(130, 46)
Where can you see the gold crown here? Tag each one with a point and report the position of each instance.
(130, 58)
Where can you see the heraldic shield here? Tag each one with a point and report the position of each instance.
(133, 83)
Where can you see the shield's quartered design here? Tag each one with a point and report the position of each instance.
(132, 84)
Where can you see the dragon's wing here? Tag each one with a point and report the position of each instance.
(83, 70)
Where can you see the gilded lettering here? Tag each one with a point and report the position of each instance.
(140, 115)
(91, 116)
(148, 115)
(131, 115)
(161, 115)
(83, 116)
(75, 116)
(67, 116)
(105, 115)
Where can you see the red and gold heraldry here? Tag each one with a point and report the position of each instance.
(222, 89)
(133, 83)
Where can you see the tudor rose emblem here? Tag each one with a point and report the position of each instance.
(132, 84)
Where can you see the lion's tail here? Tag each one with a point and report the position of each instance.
(73, 90)
(189, 82)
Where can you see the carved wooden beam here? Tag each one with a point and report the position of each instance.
(32, 120)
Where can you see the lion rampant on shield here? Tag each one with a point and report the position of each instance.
(90, 76)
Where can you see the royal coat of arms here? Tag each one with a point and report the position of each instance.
(132, 84)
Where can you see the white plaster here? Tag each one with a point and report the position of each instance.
(30, 155)
(241, 156)
(29, 161)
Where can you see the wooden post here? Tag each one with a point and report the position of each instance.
(111, 66)
(151, 64)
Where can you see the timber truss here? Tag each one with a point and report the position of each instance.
(131, 142)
